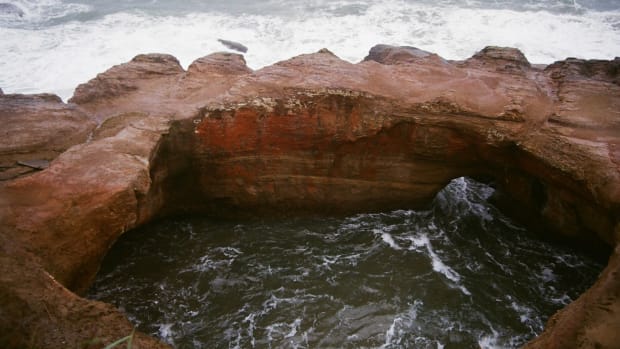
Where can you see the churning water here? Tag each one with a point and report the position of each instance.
(53, 45)
(459, 275)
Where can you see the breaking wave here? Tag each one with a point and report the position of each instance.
(57, 44)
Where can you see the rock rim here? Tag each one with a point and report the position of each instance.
(38, 128)
(146, 139)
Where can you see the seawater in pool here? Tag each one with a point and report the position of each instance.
(459, 275)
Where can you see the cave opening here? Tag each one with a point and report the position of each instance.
(457, 273)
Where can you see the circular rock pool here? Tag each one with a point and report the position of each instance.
(459, 275)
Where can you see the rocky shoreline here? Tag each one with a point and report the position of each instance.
(147, 139)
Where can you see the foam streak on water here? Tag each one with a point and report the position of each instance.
(458, 275)
(57, 44)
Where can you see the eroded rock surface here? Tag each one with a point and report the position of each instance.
(37, 127)
(312, 134)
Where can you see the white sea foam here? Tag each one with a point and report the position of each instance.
(547, 275)
(422, 240)
(390, 334)
(282, 330)
(490, 341)
(328, 261)
(472, 195)
(562, 299)
(501, 265)
(527, 315)
(36, 12)
(55, 58)
(166, 332)
(568, 260)
(251, 321)
(388, 239)
(401, 325)
(294, 328)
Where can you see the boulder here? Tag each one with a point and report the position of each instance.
(502, 59)
(223, 63)
(139, 73)
(387, 54)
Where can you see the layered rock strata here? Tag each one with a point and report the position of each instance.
(313, 134)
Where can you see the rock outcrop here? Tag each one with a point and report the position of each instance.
(386, 54)
(311, 134)
(37, 127)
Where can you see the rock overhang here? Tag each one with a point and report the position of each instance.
(316, 133)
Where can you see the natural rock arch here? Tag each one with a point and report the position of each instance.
(312, 134)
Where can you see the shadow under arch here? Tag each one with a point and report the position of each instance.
(341, 151)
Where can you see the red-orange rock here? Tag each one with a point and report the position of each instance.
(317, 134)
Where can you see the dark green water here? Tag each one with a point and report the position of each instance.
(459, 275)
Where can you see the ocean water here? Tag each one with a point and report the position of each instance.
(53, 45)
(458, 275)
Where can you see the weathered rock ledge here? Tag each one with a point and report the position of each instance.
(312, 134)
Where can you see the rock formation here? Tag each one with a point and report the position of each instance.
(310, 134)
(37, 127)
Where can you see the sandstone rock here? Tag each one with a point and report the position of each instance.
(37, 311)
(125, 78)
(96, 189)
(316, 134)
(386, 54)
(503, 59)
(219, 63)
(156, 86)
(573, 68)
(38, 127)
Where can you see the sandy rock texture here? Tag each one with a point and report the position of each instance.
(36, 129)
(313, 134)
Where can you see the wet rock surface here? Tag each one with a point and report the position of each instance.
(313, 134)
